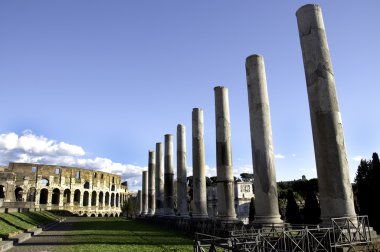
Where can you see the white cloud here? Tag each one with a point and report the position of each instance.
(279, 156)
(31, 148)
(357, 158)
(293, 155)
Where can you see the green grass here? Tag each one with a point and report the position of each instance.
(14, 223)
(116, 234)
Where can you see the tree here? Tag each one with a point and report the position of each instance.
(292, 210)
(362, 182)
(252, 210)
(312, 211)
(247, 177)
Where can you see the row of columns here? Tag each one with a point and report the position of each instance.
(336, 197)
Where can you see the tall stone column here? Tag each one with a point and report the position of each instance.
(335, 190)
(199, 210)
(182, 210)
(139, 202)
(144, 210)
(266, 200)
(151, 183)
(168, 176)
(224, 170)
(159, 180)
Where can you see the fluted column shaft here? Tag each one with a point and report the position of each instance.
(182, 210)
(266, 200)
(151, 183)
(335, 190)
(168, 176)
(224, 170)
(139, 202)
(159, 180)
(199, 210)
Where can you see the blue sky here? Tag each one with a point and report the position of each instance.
(98, 83)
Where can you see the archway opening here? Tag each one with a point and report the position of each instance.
(44, 196)
(66, 196)
(85, 198)
(107, 201)
(18, 194)
(117, 200)
(31, 194)
(113, 188)
(55, 197)
(76, 197)
(111, 215)
(112, 200)
(93, 198)
(44, 182)
(2, 192)
(86, 185)
(101, 195)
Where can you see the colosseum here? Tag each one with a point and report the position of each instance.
(52, 187)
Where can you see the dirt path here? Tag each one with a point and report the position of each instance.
(47, 239)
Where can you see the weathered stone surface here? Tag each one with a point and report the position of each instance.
(54, 187)
(144, 210)
(261, 140)
(151, 183)
(168, 177)
(139, 202)
(224, 170)
(199, 208)
(335, 190)
(182, 210)
(159, 180)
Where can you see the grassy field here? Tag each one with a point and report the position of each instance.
(116, 234)
(14, 223)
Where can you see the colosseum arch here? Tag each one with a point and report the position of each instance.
(44, 182)
(44, 194)
(66, 196)
(31, 196)
(77, 197)
(93, 198)
(101, 195)
(2, 192)
(85, 198)
(86, 185)
(113, 188)
(117, 200)
(107, 201)
(18, 193)
(112, 199)
(55, 196)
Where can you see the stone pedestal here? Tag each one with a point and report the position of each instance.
(151, 183)
(335, 190)
(144, 210)
(266, 200)
(159, 180)
(225, 177)
(168, 176)
(182, 210)
(199, 209)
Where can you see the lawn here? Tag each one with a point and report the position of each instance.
(117, 234)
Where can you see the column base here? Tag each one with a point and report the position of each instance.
(199, 216)
(275, 219)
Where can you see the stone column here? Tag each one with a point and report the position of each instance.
(335, 190)
(168, 176)
(144, 210)
(139, 202)
(182, 210)
(151, 183)
(159, 180)
(199, 210)
(266, 200)
(224, 170)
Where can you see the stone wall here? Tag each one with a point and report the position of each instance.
(53, 187)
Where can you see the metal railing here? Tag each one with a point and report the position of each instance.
(343, 232)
